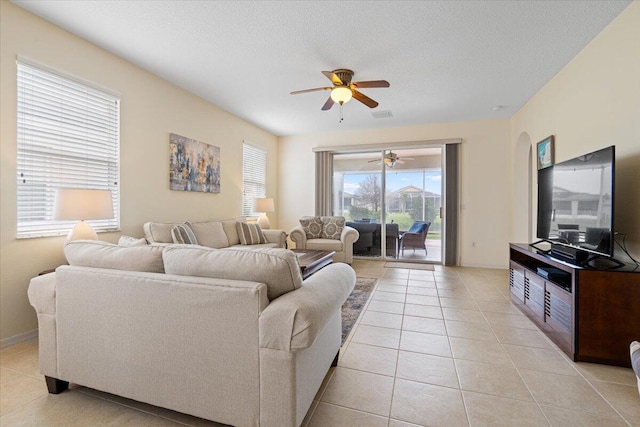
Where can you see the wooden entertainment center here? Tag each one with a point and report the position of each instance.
(591, 314)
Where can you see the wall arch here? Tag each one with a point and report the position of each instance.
(522, 212)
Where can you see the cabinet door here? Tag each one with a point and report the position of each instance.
(534, 294)
(558, 313)
(516, 282)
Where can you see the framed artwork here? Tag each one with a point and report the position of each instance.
(545, 152)
(193, 165)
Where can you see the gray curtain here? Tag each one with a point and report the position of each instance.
(324, 180)
(451, 174)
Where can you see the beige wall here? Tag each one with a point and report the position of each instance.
(484, 180)
(151, 109)
(592, 103)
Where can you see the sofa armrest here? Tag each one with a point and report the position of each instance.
(299, 237)
(42, 293)
(42, 296)
(275, 236)
(349, 235)
(294, 320)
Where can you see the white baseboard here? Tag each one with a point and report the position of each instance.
(25, 336)
(488, 267)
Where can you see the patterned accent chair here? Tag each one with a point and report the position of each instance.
(326, 233)
(415, 237)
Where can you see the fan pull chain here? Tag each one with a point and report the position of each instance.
(341, 118)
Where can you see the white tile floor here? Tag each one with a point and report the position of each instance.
(441, 348)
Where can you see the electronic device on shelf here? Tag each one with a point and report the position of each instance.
(576, 206)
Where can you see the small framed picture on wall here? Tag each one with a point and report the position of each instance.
(545, 152)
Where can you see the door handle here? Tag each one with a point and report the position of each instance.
(440, 212)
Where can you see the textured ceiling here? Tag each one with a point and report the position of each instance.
(446, 61)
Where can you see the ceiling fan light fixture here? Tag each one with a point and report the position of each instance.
(390, 161)
(341, 94)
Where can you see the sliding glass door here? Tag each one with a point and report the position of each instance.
(413, 201)
(394, 199)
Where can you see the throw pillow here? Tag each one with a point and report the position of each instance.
(635, 360)
(312, 226)
(183, 235)
(332, 227)
(250, 234)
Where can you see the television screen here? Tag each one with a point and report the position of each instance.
(575, 202)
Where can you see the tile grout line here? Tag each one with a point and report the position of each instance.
(455, 366)
(395, 372)
(518, 371)
(555, 348)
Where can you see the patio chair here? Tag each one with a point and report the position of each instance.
(415, 237)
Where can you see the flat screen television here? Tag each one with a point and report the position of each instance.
(576, 201)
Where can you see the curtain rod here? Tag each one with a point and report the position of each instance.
(386, 146)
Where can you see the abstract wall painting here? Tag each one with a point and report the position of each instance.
(193, 165)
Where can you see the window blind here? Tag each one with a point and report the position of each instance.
(68, 136)
(254, 177)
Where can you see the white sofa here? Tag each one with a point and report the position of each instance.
(214, 234)
(229, 335)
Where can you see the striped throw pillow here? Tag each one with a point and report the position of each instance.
(183, 234)
(250, 234)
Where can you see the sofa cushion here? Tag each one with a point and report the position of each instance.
(325, 245)
(132, 241)
(259, 246)
(159, 232)
(250, 234)
(183, 234)
(210, 234)
(312, 226)
(94, 253)
(229, 226)
(276, 268)
(332, 227)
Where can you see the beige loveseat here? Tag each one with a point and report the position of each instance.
(229, 335)
(214, 234)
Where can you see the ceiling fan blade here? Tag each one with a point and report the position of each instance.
(399, 162)
(408, 158)
(331, 76)
(310, 90)
(372, 83)
(327, 105)
(364, 99)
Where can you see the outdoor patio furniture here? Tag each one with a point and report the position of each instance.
(369, 243)
(415, 237)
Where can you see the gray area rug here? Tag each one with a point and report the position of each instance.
(354, 304)
(411, 265)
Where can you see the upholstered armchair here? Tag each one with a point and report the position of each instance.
(415, 237)
(314, 237)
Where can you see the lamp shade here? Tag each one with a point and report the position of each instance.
(263, 205)
(341, 94)
(82, 204)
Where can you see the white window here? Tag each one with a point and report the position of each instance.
(254, 177)
(68, 137)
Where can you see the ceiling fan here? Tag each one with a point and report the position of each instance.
(391, 159)
(344, 89)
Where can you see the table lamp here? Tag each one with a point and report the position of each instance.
(81, 204)
(263, 206)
